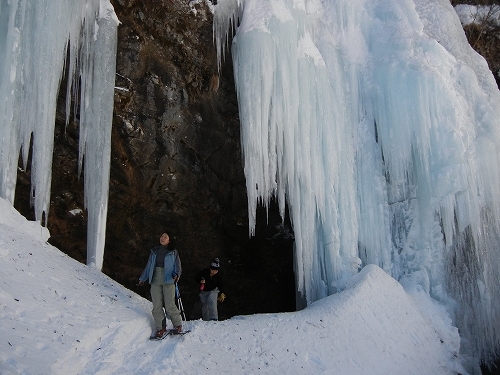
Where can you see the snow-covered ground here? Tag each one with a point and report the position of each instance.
(58, 316)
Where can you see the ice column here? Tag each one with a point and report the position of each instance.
(35, 37)
(296, 131)
(376, 122)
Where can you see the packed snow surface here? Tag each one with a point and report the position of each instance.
(58, 316)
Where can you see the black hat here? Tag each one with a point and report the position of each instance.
(215, 264)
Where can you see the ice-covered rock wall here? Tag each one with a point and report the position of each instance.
(378, 125)
(40, 42)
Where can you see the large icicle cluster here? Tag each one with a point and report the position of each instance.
(35, 39)
(378, 125)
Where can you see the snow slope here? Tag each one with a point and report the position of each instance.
(58, 316)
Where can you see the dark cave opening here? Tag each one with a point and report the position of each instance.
(262, 275)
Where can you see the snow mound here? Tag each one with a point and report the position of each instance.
(373, 327)
(17, 224)
(58, 316)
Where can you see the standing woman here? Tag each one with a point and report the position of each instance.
(162, 271)
(211, 284)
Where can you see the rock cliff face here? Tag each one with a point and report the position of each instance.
(176, 166)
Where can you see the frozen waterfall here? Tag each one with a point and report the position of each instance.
(35, 39)
(378, 125)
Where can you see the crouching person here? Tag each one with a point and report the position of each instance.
(211, 284)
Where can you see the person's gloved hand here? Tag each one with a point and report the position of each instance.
(221, 298)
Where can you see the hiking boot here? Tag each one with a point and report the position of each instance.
(177, 330)
(160, 333)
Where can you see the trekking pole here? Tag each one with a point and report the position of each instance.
(179, 302)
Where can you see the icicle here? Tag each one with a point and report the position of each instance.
(95, 129)
(35, 36)
(225, 22)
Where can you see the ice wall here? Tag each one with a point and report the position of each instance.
(35, 39)
(377, 124)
